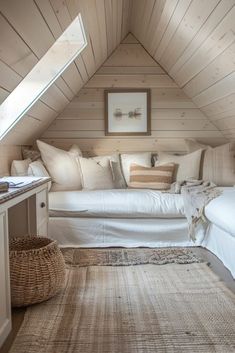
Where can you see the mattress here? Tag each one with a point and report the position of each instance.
(221, 210)
(124, 203)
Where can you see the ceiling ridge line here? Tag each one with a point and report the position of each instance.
(166, 27)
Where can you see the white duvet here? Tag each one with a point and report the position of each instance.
(221, 210)
(124, 203)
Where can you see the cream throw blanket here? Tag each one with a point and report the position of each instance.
(196, 195)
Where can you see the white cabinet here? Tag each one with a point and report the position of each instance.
(22, 212)
(5, 308)
(42, 212)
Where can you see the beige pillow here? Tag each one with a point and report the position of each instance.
(96, 173)
(187, 166)
(143, 159)
(218, 163)
(118, 177)
(193, 145)
(37, 169)
(62, 166)
(158, 178)
(20, 168)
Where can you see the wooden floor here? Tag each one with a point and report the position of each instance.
(214, 263)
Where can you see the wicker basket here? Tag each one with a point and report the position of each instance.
(37, 270)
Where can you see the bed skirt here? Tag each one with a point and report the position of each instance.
(106, 232)
(129, 233)
(222, 244)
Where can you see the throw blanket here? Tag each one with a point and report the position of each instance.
(196, 195)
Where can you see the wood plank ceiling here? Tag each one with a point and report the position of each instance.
(193, 40)
(27, 30)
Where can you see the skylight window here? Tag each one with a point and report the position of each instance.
(65, 49)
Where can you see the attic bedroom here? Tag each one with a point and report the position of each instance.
(117, 176)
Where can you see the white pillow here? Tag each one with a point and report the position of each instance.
(118, 177)
(143, 159)
(75, 150)
(62, 166)
(96, 173)
(193, 145)
(20, 168)
(218, 163)
(187, 166)
(37, 169)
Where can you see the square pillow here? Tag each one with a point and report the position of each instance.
(20, 168)
(187, 166)
(143, 159)
(96, 173)
(158, 178)
(218, 163)
(37, 169)
(118, 178)
(62, 166)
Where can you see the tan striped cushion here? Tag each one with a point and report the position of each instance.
(158, 178)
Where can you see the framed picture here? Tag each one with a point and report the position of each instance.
(127, 112)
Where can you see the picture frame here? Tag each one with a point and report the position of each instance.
(127, 112)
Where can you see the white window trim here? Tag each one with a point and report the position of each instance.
(10, 113)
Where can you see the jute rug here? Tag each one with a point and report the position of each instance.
(133, 309)
(128, 257)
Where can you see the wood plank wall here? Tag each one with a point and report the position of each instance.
(174, 115)
(194, 40)
(28, 28)
(7, 155)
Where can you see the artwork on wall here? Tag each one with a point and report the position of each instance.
(127, 112)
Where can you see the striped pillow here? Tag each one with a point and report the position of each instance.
(159, 178)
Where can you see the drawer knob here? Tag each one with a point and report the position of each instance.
(43, 204)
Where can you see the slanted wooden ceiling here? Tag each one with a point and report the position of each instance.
(193, 40)
(28, 28)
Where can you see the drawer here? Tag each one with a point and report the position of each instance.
(41, 207)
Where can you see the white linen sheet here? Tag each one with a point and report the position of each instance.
(106, 232)
(123, 203)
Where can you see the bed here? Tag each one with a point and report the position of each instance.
(135, 218)
(220, 235)
(125, 217)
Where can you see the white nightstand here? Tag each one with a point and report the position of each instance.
(23, 211)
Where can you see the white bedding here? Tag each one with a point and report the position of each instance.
(133, 218)
(222, 244)
(104, 232)
(221, 211)
(124, 203)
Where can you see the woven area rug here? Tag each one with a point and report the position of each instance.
(133, 309)
(128, 257)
